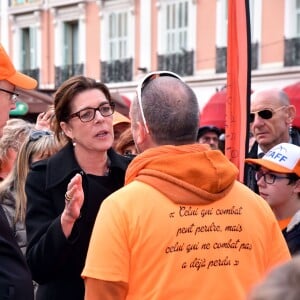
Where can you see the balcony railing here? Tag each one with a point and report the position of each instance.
(254, 56)
(64, 72)
(292, 52)
(34, 73)
(180, 63)
(221, 58)
(116, 70)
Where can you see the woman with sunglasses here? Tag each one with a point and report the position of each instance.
(271, 119)
(37, 145)
(64, 192)
(278, 179)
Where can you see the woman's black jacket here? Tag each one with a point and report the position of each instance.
(56, 262)
(15, 277)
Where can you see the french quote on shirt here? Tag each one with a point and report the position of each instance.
(205, 251)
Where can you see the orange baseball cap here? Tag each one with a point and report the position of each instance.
(9, 73)
(119, 118)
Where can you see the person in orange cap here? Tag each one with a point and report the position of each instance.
(278, 180)
(120, 124)
(15, 276)
(10, 78)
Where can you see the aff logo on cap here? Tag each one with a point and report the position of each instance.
(277, 154)
(285, 154)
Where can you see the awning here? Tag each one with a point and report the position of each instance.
(293, 91)
(213, 113)
(37, 101)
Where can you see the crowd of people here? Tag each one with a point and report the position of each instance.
(98, 205)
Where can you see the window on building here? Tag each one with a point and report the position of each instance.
(117, 44)
(292, 33)
(69, 37)
(71, 43)
(255, 31)
(177, 21)
(118, 35)
(221, 40)
(176, 26)
(28, 49)
(298, 18)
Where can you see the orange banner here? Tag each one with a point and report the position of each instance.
(238, 83)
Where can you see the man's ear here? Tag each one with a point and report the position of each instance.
(67, 129)
(297, 186)
(291, 113)
(141, 133)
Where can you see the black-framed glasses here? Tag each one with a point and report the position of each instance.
(144, 82)
(265, 114)
(13, 95)
(269, 178)
(88, 114)
(37, 134)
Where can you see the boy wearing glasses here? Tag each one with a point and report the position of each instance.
(278, 179)
(271, 120)
(15, 277)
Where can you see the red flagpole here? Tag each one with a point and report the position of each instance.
(238, 83)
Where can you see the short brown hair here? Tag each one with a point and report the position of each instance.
(66, 93)
(125, 140)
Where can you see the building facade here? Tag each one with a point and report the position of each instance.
(117, 41)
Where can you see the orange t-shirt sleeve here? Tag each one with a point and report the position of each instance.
(108, 256)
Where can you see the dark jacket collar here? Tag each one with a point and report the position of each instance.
(253, 151)
(295, 137)
(63, 164)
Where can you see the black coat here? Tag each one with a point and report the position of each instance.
(56, 262)
(293, 239)
(250, 169)
(15, 277)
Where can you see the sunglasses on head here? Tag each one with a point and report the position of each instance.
(37, 134)
(265, 114)
(144, 82)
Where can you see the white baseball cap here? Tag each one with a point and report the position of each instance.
(282, 158)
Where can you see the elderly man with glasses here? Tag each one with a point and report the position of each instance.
(15, 277)
(271, 120)
(10, 79)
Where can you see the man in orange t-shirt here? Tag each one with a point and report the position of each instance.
(182, 227)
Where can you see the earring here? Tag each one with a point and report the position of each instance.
(74, 143)
(290, 129)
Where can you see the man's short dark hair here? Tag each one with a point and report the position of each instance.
(209, 128)
(172, 111)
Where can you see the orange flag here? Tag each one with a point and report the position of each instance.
(238, 83)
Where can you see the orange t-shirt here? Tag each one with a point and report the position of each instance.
(284, 223)
(165, 250)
